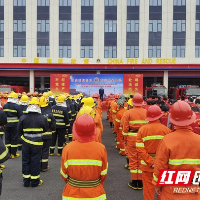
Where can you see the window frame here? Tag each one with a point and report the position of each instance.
(154, 52)
(1, 25)
(155, 2)
(87, 2)
(133, 2)
(112, 28)
(178, 55)
(132, 51)
(1, 2)
(110, 2)
(46, 51)
(132, 26)
(84, 24)
(65, 2)
(68, 51)
(112, 50)
(179, 2)
(178, 25)
(65, 26)
(43, 2)
(155, 26)
(19, 2)
(45, 28)
(2, 51)
(19, 48)
(84, 52)
(17, 24)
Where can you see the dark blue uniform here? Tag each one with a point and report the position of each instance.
(31, 127)
(47, 136)
(13, 113)
(3, 122)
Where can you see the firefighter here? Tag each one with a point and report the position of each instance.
(51, 98)
(47, 136)
(195, 124)
(164, 118)
(84, 163)
(178, 150)
(146, 144)
(13, 113)
(31, 127)
(135, 119)
(60, 112)
(71, 114)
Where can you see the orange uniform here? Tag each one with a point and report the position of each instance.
(118, 129)
(110, 112)
(195, 126)
(135, 118)
(81, 164)
(99, 127)
(178, 150)
(164, 118)
(114, 111)
(148, 139)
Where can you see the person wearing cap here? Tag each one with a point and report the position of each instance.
(148, 139)
(135, 118)
(47, 136)
(31, 127)
(84, 163)
(178, 150)
(13, 113)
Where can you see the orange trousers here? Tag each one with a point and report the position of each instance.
(121, 143)
(134, 161)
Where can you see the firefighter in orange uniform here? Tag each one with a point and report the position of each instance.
(164, 118)
(178, 150)
(135, 118)
(114, 109)
(147, 142)
(84, 163)
(196, 124)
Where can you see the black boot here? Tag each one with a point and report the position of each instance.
(110, 124)
(139, 185)
(133, 184)
(127, 165)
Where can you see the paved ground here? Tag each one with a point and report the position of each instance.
(115, 185)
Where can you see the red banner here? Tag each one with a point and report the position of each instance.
(60, 83)
(133, 83)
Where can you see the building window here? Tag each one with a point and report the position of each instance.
(155, 25)
(64, 51)
(179, 25)
(1, 2)
(154, 51)
(110, 26)
(197, 25)
(179, 2)
(87, 3)
(86, 25)
(65, 25)
(43, 25)
(42, 2)
(19, 26)
(198, 2)
(42, 51)
(86, 51)
(155, 2)
(133, 2)
(110, 2)
(1, 51)
(110, 52)
(65, 2)
(19, 2)
(178, 52)
(19, 51)
(197, 51)
(132, 51)
(1, 25)
(132, 26)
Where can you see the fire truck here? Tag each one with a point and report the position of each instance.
(156, 90)
(184, 90)
(17, 89)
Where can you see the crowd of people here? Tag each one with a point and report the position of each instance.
(152, 134)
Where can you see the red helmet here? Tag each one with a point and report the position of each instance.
(182, 114)
(84, 128)
(154, 113)
(138, 100)
(95, 95)
(117, 96)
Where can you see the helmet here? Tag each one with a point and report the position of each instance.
(60, 99)
(116, 96)
(28, 94)
(6, 92)
(50, 93)
(46, 95)
(87, 110)
(84, 128)
(34, 94)
(13, 95)
(34, 101)
(24, 98)
(138, 100)
(43, 102)
(89, 102)
(130, 102)
(83, 100)
(182, 114)
(154, 113)
(95, 95)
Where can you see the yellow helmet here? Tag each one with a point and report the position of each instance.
(60, 99)
(50, 93)
(13, 95)
(43, 102)
(83, 100)
(46, 95)
(130, 102)
(89, 102)
(34, 101)
(87, 110)
(24, 98)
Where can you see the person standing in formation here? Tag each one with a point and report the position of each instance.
(101, 93)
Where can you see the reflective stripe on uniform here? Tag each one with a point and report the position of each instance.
(52, 147)
(13, 121)
(31, 142)
(143, 163)
(124, 133)
(102, 197)
(9, 110)
(138, 122)
(83, 162)
(59, 120)
(14, 146)
(114, 111)
(139, 171)
(63, 174)
(60, 147)
(59, 123)
(68, 125)
(131, 134)
(155, 178)
(152, 137)
(70, 111)
(7, 145)
(44, 160)
(25, 111)
(10, 118)
(35, 177)
(1, 133)
(137, 144)
(32, 129)
(120, 128)
(57, 115)
(104, 172)
(3, 155)
(26, 176)
(117, 120)
(49, 120)
(69, 135)
(134, 171)
(185, 161)
(33, 135)
(47, 133)
(122, 149)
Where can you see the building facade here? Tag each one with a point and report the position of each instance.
(159, 38)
